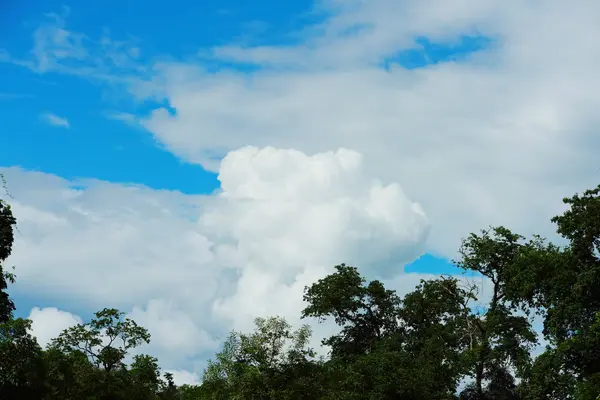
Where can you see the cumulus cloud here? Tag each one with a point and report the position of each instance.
(190, 268)
(55, 120)
(47, 323)
(292, 214)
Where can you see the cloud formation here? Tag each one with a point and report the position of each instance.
(480, 141)
(55, 120)
(477, 142)
(190, 268)
(47, 323)
(485, 133)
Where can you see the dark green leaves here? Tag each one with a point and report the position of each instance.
(106, 339)
(7, 222)
(366, 313)
(21, 364)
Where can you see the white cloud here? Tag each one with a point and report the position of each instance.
(175, 334)
(478, 142)
(190, 268)
(47, 323)
(497, 139)
(55, 120)
(182, 377)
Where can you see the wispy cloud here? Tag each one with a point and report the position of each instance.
(55, 120)
(56, 49)
(122, 116)
(126, 118)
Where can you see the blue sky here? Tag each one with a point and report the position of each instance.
(96, 146)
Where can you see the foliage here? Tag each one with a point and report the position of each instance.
(21, 364)
(502, 339)
(253, 366)
(366, 313)
(7, 222)
(106, 339)
(422, 346)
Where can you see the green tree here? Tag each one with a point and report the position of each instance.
(502, 339)
(7, 223)
(168, 389)
(253, 366)
(196, 392)
(438, 329)
(106, 339)
(70, 376)
(386, 350)
(561, 283)
(22, 369)
(144, 380)
(365, 312)
(105, 342)
(21, 364)
(548, 379)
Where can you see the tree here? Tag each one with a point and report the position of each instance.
(70, 376)
(387, 349)
(21, 364)
(106, 339)
(366, 313)
(561, 284)
(22, 370)
(144, 380)
(548, 378)
(7, 222)
(503, 340)
(266, 364)
(105, 342)
(437, 328)
(168, 389)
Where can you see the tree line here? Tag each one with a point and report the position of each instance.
(430, 344)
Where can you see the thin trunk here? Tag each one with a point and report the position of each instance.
(479, 380)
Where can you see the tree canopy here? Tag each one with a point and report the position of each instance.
(444, 340)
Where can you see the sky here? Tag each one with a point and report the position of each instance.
(196, 165)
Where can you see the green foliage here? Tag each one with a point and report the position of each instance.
(21, 364)
(105, 339)
(502, 339)
(252, 365)
(437, 331)
(144, 376)
(70, 375)
(386, 348)
(366, 313)
(88, 361)
(7, 222)
(561, 283)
